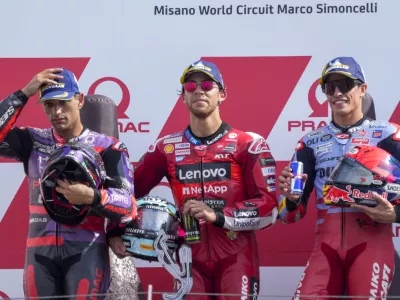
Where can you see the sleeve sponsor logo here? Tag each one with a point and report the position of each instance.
(270, 180)
(259, 146)
(268, 171)
(246, 213)
(267, 161)
(7, 114)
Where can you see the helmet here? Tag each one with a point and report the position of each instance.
(73, 162)
(361, 171)
(153, 214)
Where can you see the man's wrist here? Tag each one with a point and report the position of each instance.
(397, 211)
(96, 198)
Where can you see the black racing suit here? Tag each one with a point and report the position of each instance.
(60, 259)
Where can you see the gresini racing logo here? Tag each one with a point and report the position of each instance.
(207, 172)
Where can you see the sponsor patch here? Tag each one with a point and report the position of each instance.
(324, 148)
(377, 134)
(182, 152)
(173, 140)
(268, 171)
(169, 148)
(360, 141)
(182, 145)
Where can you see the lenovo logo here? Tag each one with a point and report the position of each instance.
(210, 172)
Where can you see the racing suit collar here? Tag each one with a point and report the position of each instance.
(59, 139)
(208, 140)
(344, 129)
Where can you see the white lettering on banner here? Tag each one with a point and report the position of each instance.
(268, 171)
(245, 285)
(305, 125)
(207, 189)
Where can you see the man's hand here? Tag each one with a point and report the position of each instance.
(47, 76)
(199, 210)
(76, 193)
(117, 246)
(284, 183)
(383, 213)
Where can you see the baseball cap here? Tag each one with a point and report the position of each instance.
(65, 88)
(205, 67)
(343, 65)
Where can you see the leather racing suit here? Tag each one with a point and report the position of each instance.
(351, 252)
(60, 259)
(232, 172)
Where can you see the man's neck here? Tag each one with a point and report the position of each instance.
(205, 127)
(71, 132)
(349, 119)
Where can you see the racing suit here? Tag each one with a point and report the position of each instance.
(64, 259)
(232, 172)
(351, 252)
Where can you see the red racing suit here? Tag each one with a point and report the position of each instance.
(352, 253)
(232, 172)
(60, 259)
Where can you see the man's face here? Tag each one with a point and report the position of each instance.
(63, 114)
(202, 102)
(346, 99)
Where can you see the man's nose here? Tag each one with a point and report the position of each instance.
(337, 92)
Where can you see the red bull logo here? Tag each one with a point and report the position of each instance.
(337, 195)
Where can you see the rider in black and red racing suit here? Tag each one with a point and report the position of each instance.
(232, 172)
(60, 259)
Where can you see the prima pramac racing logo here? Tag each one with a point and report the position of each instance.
(125, 124)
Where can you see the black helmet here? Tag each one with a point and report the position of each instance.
(153, 214)
(73, 162)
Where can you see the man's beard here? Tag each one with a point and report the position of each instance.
(202, 114)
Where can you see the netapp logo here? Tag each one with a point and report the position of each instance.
(211, 172)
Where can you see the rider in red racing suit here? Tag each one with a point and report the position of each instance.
(233, 174)
(352, 253)
(61, 259)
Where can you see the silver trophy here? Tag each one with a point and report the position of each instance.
(183, 273)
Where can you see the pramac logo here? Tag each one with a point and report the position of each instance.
(124, 123)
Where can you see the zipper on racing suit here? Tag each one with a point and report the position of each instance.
(57, 235)
(203, 199)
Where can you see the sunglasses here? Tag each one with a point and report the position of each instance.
(191, 86)
(344, 85)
